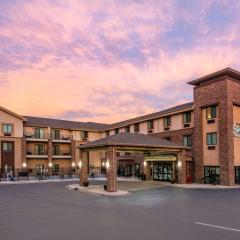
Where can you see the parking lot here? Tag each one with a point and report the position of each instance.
(50, 211)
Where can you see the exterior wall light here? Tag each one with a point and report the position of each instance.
(73, 164)
(144, 163)
(50, 164)
(179, 164)
(24, 165)
(80, 164)
(107, 164)
(103, 164)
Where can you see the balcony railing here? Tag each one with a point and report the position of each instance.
(61, 137)
(61, 153)
(37, 152)
(36, 135)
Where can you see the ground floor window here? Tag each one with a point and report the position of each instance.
(163, 171)
(237, 175)
(212, 174)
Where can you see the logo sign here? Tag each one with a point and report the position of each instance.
(236, 130)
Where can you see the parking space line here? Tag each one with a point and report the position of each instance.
(215, 226)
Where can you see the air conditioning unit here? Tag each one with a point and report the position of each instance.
(84, 139)
(210, 121)
(166, 128)
(186, 125)
(7, 134)
(150, 131)
(211, 147)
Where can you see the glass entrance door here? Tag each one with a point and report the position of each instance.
(162, 171)
(237, 175)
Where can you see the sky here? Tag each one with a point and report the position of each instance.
(107, 61)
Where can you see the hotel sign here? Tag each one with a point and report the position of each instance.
(161, 158)
(236, 130)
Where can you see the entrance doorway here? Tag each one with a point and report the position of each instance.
(163, 171)
(212, 175)
(237, 175)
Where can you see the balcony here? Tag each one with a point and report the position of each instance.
(36, 154)
(61, 138)
(61, 154)
(30, 136)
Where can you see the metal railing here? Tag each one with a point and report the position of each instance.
(61, 152)
(38, 174)
(36, 135)
(37, 152)
(61, 136)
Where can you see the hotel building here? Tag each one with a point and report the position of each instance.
(193, 142)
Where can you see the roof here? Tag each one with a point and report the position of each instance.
(56, 123)
(224, 72)
(182, 107)
(12, 113)
(131, 139)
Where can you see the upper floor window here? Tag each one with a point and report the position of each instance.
(136, 127)
(211, 112)
(7, 128)
(187, 140)
(39, 133)
(117, 131)
(187, 117)
(167, 121)
(56, 134)
(150, 124)
(107, 133)
(212, 138)
(127, 129)
(84, 134)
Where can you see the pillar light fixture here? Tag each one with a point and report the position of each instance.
(179, 164)
(73, 164)
(145, 163)
(103, 164)
(50, 164)
(24, 165)
(107, 164)
(80, 164)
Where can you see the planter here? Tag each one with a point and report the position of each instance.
(105, 187)
(86, 184)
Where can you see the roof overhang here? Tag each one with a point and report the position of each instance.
(227, 72)
(12, 113)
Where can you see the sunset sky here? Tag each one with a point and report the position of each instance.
(107, 61)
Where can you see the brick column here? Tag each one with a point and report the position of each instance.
(73, 151)
(112, 170)
(50, 149)
(24, 151)
(182, 169)
(84, 167)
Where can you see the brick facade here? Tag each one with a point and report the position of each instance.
(223, 92)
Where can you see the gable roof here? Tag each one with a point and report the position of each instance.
(131, 139)
(224, 72)
(57, 123)
(178, 108)
(12, 113)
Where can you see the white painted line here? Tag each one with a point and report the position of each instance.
(215, 226)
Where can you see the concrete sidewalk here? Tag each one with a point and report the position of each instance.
(204, 186)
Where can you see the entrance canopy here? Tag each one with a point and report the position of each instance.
(130, 142)
(134, 141)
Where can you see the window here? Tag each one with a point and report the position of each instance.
(136, 127)
(84, 134)
(127, 129)
(56, 134)
(187, 140)
(167, 121)
(211, 112)
(55, 168)
(187, 117)
(212, 174)
(117, 131)
(39, 133)
(7, 128)
(150, 124)
(56, 149)
(39, 149)
(7, 146)
(107, 133)
(212, 138)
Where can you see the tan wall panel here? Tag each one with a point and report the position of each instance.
(236, 119)
(210, 157)
(31, 163)
(95, 158)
